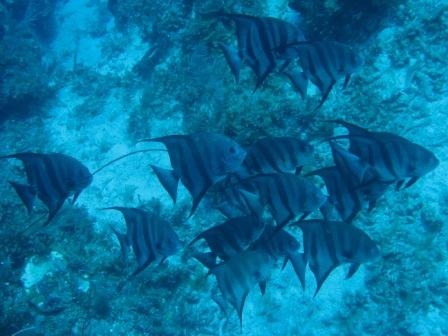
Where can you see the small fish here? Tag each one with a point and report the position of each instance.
(287, 195)
(199, 161)
(277, 155)
(52, 178)
(238, 275)
(233, 236)
(150, 236)
(395, 158)
(328, 244)
(261, 43)
(323, 63)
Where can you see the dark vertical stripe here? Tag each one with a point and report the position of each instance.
(325, 60)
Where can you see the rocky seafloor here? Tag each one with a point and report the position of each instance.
(90, 78)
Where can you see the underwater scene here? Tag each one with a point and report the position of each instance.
(182, 167)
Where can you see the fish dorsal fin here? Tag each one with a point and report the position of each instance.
(26, 193)
(168, 179)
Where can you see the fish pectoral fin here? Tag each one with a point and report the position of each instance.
(321, 275)
(221, 302)
(372, 204)
(26, 193)
(168, 179)
(240, 305)
(325, 93)
(261, 77)
(411, 182)
(123, 243)
(299, 81)
(141, 267)
(298, 170)
(162, 261)
(199, 236)
(53, 212)
(399, 185)
(284, 65)
(262, 285)
(352, 270)
(197, 199)
(233, 60)
(208, 259)
(347, 79)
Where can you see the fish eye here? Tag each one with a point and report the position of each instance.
(232, 150)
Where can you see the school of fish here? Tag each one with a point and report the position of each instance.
(259, 190)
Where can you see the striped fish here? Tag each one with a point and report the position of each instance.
(150, 236)
(323, 63)
(287, 195)
(199, 161)
(262, 42)
(52, 178)
(277, 155)
(395, 158)
(238, 275)
(362, 178)
(328, 244)
(342, 193)
(232, 237)
(232, 201)
(277, 243)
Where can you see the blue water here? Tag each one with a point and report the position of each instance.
(91, 78)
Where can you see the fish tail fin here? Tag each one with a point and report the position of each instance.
(298, 262)
(168, 179)
(26, 193)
